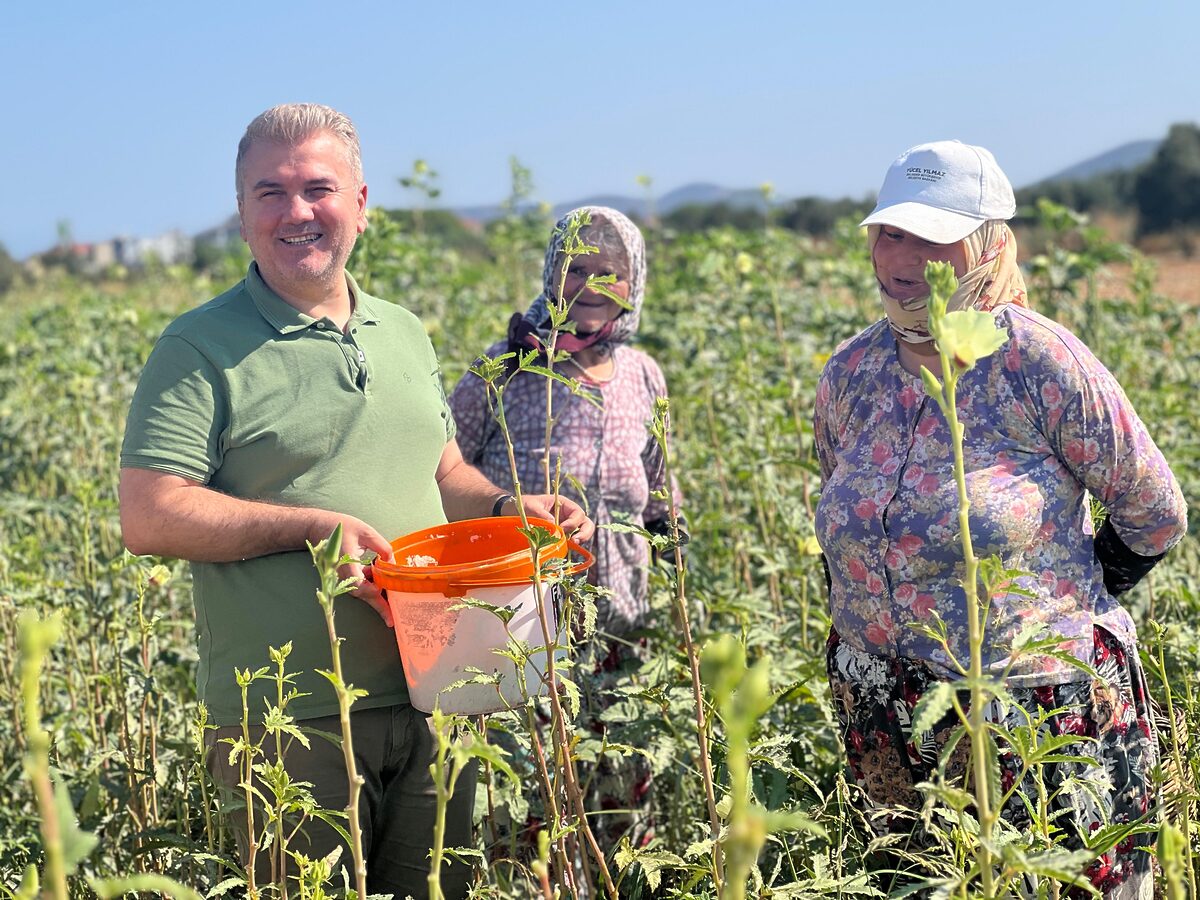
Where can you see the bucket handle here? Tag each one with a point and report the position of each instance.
(588, 558)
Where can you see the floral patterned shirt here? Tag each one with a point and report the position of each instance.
(1044, 424)
(604, 445)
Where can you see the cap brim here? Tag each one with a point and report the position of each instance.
(938, 225)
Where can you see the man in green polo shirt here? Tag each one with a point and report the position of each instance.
(288, 405)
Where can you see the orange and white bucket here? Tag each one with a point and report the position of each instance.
(488, 560)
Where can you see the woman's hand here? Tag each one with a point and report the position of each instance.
(567, 513)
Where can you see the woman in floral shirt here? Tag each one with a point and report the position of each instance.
(608, 458)
(1045, 426)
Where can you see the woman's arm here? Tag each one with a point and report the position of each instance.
(1097, 435)
(468, 494)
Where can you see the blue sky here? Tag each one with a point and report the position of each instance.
(124, 118)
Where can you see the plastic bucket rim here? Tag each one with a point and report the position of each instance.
(445, 573)
(460, 587)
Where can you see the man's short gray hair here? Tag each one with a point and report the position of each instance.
(291, 123)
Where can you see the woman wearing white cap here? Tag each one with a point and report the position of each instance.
(1045, 425)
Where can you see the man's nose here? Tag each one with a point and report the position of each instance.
(299, 209)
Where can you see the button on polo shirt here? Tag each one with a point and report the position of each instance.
(249, 396)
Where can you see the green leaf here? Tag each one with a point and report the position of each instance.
(503, 613)
(625, 856)
(89, 806)
(626, 528)
(494, 756)
(77, 844)
(466, 855)
(158, 885)
(810, 546)
(933, 387)
(724, 805)
(967, 336)
(554, 376)
(654, 861)
(932, 706)
(777, 822)
(28, 888)
(1061, 865)
(1172, 856)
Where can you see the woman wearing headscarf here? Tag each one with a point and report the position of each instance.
(1045, 426)
(602, 445)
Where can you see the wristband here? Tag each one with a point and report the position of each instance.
(500, 501)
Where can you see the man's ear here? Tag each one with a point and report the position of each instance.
(362, 208)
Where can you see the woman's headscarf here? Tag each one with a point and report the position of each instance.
(613, 233)
(992, 280)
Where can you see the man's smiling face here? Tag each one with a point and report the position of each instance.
(301, 209)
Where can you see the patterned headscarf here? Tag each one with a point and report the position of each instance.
(992, 280)
(610, 230)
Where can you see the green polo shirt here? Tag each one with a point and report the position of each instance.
(252, 398)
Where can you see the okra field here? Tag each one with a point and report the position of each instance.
(105, 791)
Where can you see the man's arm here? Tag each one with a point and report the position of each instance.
(168, 515)
(467, 494)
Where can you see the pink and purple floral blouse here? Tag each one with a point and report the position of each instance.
(603, 443)
(1045, 424)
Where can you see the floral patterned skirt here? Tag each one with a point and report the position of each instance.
(875, 697)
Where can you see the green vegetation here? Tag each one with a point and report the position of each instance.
(731, 707)
(1168, 189)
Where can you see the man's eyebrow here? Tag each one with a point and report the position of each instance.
(265, 183)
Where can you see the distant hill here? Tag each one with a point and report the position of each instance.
(1080, 186)
(698, 193)
(1119, 159)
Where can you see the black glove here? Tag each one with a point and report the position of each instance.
(1122, 567)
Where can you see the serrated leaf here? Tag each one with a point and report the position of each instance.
(503, 613)
(932, 706)
(654, 861)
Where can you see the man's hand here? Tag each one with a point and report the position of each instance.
(568, 514)
(358, 540)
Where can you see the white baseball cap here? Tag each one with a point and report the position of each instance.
(943, 191)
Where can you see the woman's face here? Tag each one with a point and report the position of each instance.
(900, 257)
(588, 309)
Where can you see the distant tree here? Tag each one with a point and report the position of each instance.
(1109, 191)
(444, 227)
(10, 270)
(702, 216)
(817, 216)
(1168, 190)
